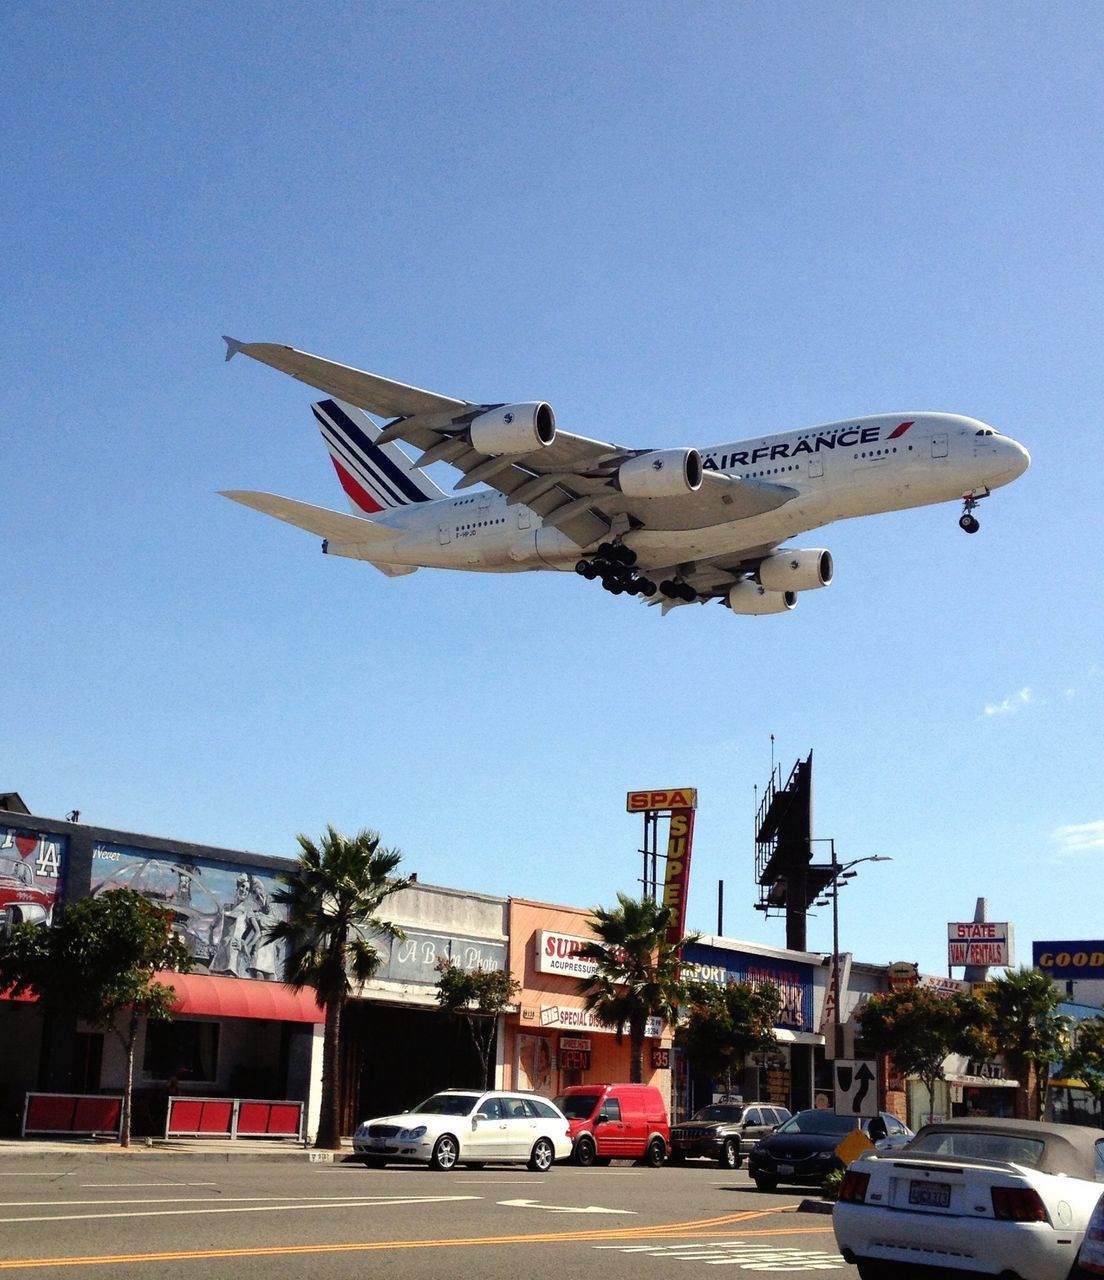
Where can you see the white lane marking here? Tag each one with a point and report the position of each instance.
(562, 1208)
(113, 1186)
(744, 1254)
(215, 1207)
(305, 1201)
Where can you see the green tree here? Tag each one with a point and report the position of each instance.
(720, 1026)
(920, 1027)
(333, 900)
(1028, 1032)
(638, 971)
(478, 996)
(1084, 1060)
(96, 961)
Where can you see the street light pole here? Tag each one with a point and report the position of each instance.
(839, 871)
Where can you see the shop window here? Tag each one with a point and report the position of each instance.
(185, 1052)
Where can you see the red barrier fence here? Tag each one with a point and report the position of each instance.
(233, 1118)
(72, 1113)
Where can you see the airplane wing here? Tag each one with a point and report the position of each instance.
(711, 578)
(571, 483)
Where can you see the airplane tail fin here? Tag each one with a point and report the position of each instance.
(375, 477)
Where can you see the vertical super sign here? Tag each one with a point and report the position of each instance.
(680, 839)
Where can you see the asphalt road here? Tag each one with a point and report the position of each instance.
(136, 1219)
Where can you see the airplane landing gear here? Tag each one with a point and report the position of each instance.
(613, 564)
(967, 520)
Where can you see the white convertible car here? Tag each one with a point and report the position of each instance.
(1007, 1198)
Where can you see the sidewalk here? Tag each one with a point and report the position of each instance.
(226, 1150)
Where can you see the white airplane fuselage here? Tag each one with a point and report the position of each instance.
(858, 467)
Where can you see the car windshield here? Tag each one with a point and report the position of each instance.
(577, 1106)
(818, 1121)
(447, 1104)
(727, 1114)
(10, 869)
(984, 1146)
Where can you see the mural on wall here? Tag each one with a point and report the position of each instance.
(220, 911)
(30, 876)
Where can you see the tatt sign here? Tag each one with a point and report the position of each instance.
(657, 801)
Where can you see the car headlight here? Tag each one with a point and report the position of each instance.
(361, 1131)
(412, 1135)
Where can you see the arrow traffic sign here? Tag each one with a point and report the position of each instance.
(855, 1081)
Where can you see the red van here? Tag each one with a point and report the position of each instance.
(622, 1121)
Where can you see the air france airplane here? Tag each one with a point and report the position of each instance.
(673, 526)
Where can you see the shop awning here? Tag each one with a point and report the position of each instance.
(241, 998)
(797, 1037)
(981, 1082)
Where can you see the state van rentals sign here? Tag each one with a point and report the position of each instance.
(980, 943)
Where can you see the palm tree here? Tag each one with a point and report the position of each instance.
(333, 898)
(1029, 1032)
(638, 971)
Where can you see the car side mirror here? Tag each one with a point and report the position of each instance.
(600, 1118)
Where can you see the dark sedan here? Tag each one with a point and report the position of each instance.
(804, 1148)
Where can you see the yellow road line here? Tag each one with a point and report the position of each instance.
(673, 1230)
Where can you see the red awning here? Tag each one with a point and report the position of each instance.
(241, 998)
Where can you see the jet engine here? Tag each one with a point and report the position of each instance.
(749, 597)
(514, 428)
(663, 473)
(796, 570)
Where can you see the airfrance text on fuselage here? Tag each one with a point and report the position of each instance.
(847, 438)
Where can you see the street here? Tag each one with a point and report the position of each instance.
(144, 1218)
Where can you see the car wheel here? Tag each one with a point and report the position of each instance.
(542, 1156)
(655, 1154)
(584, 1152)
(730, 1154)
(446, 1151)
(764, 1183)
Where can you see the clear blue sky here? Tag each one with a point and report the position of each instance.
(680, 224)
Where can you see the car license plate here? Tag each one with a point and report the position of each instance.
(785, 1168)
(932, 1195)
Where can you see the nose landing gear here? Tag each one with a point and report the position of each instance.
(613, 564)
(967, 520)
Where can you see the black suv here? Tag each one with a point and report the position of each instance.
(725, 1131)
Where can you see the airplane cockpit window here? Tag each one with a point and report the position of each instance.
(985, 431)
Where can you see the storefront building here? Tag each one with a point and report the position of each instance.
(237, 1030)
(398, 1047)
(786, 1073)
(553, 1041)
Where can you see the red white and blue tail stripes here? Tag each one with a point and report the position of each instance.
(375, 478)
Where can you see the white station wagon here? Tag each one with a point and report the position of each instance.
(465, 1126)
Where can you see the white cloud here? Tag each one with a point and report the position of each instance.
(1016, 702)
(1079, 838)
